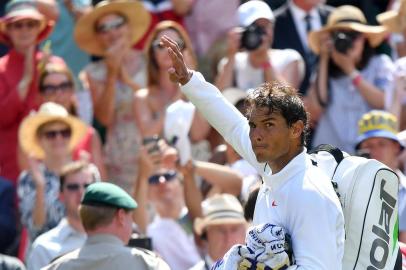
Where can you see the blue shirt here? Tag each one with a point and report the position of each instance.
(339, 123)
(62, 42)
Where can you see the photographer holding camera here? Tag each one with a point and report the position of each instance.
(250, 61)
(351, 79)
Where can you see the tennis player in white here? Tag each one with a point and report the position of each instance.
(295, 194)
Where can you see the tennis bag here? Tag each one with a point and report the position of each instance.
(368, 193)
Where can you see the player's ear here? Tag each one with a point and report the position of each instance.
(296, 129)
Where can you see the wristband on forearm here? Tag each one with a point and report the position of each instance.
(266, 65)
(355, 77)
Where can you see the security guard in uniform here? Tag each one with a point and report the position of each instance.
(106, 214)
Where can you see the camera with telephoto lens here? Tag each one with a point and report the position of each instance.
(251, 37)
(343, 40)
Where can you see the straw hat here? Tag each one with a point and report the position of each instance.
(348, 18)
(394, 20)
(219, 209)
(24, 9)
(138, 20)
(48, 112)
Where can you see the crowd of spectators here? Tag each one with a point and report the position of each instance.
(86, 97)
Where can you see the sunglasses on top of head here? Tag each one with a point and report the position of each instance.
(52, 134)
(111, 25)
(162, 177)
(51, 88)
(156, 44)
(76, 186)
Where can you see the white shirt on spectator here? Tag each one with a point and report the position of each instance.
(173, 243)
(247, 77)
(204, 264)
(250, 174)
(54, 243)
(299, 15)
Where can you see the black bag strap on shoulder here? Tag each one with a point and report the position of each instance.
(334, 151)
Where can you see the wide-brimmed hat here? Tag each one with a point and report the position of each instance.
(24, 9)
(219, 209)
(394, 20)
(253, 10)
(138, 20)
(48, 112)
(348, 18)
(377, 124)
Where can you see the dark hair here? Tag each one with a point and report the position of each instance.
(241, 105)
(334, 71)
(282, 98)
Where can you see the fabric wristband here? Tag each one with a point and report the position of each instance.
(355, 77)
(266, 65)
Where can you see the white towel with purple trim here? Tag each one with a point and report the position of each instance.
(264, 249)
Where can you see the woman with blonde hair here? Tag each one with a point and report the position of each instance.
(109, 31)
(57, 84)
(47, 137)
(151, 103)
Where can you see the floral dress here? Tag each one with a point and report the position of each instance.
(123, 136)
(26, 193)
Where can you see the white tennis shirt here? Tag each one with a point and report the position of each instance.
(299, 198)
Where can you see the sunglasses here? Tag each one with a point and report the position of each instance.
(157, 178)
(158, 45)
(23, 24)
(51, 88)
(52, 134)
(108, 26)
(348, 33)
(75, 186)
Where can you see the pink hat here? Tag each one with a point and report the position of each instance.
(24, 9)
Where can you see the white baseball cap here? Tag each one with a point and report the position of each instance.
(234, 95)
(253, 10)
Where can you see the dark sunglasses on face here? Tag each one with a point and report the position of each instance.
(157, 45)
(75, 186)
(52, 134)
(51, 88)
(108, 26)
(157, 178)
(23, 24)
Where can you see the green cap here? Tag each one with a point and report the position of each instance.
(108, 194)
